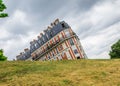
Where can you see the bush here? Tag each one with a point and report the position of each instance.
(115, 50)
(2, 57)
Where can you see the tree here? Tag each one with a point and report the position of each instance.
(2, 57)
(115, 50)
(2, 8)
(2, 15)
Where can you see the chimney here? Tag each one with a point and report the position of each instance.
(56, 21)
(21, 53)
(26, 49)
(41, 34)
(31, 42)
(38, 37)
(48, 28)
(52, 24)
(45, 31)
(17, 56)
(34, 40)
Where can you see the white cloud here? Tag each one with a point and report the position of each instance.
(99, 45)
(97, 26)
(13, 43)
(18, 16)
(104, 14)
(13, 47)
(4, 34)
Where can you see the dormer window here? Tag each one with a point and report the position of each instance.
(67, 33)
(43, 39)
(39, 41)
(56, 21)
(51, 33)
(47, 36)
(63, 25)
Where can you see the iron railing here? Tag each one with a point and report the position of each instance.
(49, 48)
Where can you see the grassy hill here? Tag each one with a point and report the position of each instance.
(60, 73)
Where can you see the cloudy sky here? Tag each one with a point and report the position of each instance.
(96, 22)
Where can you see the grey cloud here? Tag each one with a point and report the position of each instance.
(111, 22)
(41, 12)
(11, 6)
(19, 29)
(85, 5)
(89, 30)
(84, 30)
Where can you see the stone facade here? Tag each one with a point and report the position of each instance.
(57, 42)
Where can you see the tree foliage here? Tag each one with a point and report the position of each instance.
(2, 15)
(115, 50)
(2, 57)
(2, 8)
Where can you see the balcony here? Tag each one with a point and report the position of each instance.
(54, 45)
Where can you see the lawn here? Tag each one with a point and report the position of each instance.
(60, 73)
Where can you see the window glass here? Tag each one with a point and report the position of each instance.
(48, 57)
(67, 33)
(47, 36)
(39, 41)
(61, 47)
(75, 51)
(71, 41)
(57, 50)
(43, 39)
(53, 54)
(63, 25)
(35, 45)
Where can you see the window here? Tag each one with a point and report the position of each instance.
(36, 45)
(51, 33)
(75, 51)
(80, 48)
(39, 41)
(71, 41)
(61, 47)
(63, 25)
(48, 57)
(51, 42)
(43, 39)
(54, 57)
(67, 33)
(57, 50)
(47, 36)
(33, 47)
(53, 53)
(60, 36)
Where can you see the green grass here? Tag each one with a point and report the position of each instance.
(60, 73)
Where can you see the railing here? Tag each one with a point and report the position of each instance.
(49, 48)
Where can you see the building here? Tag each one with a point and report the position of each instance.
(57, 42)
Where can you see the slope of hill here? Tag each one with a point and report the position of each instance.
(60, 73)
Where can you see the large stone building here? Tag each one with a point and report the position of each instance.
(57, 42)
